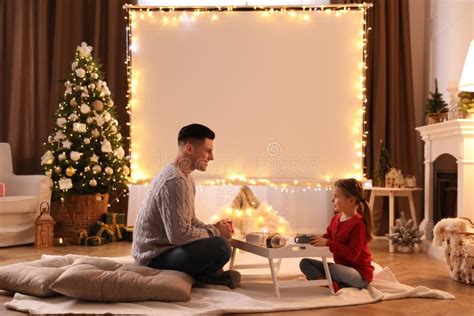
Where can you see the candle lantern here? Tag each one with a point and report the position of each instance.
(44, 228)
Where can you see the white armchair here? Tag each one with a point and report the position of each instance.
(20, 207)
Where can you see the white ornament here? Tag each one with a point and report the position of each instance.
(95, 76)
(62, 156)
(87, 141)
(96, 169)
(67, 144)
(79, 127)
(75, 155)
(94, 158)
(59, 136)
(73, 102)
(95, 133)
(74, 65)
(106, 146)
(65, 184)
(126, 170)
(47, 158)
(110, 103)
(93, 182)
(85, 108)
(89, 120)
(84, 50)
(91, 86)
(107, 116)
(87, 169)
(80, 72)
(99, 120)
(73, 117)
(60, 121)
(120, 153)
(85, 93)
(109, 171)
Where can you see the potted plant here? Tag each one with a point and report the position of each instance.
(436, 109)
(405, 235)
(85, 157)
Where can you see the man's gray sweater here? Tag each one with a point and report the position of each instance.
(167, 216)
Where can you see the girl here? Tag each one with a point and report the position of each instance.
(347, 237)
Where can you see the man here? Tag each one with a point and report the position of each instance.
(167, 234)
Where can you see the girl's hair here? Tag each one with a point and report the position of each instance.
(353, 188)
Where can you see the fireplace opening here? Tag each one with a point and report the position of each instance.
(445, 190)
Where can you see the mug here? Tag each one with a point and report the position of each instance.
(303, 238)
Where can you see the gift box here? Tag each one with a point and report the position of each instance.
(115, 218)
(127, 233)
(3, 190)
(115, 222)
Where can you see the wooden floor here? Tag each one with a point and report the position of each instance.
(411, 269)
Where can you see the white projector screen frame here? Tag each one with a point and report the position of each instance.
(284, 91)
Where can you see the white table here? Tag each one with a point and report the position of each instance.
(392, 193)
(289, 251)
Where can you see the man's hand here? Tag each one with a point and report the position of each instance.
(318, 241)
(224, 228)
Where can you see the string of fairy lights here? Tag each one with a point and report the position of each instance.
(191, 14)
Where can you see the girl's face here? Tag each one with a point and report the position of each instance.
(341, 202)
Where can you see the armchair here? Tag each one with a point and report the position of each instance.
(20, 207)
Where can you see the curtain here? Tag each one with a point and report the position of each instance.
(37, 43)
(390, 106)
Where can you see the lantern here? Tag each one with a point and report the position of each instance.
(44, 228)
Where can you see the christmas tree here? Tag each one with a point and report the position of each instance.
(383, 165)
(85, 153)
(405, 233)
(435, 103)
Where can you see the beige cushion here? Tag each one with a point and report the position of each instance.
(104, 280)
(17, 204)
(33, 278)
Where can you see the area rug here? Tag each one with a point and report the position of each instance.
(254, 295)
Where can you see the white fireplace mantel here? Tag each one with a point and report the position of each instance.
(457, 139)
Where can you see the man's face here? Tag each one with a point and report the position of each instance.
(200, 153)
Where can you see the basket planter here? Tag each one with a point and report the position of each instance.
(85, 210)
(78, 213)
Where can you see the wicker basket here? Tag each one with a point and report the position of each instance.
(86, 209)
(461, 264)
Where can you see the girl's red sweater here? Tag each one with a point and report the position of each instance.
(347, 240)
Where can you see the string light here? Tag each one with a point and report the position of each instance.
(188, 14)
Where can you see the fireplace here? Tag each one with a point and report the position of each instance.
(449, 171)
(445, 187)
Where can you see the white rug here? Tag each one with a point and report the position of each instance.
(255, 295)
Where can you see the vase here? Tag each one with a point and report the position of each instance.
(405, 249)
(433, 118)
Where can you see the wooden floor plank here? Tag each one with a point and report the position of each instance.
(411, 269)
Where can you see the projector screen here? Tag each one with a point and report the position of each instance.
(283, 91)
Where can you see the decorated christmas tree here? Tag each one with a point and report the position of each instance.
(85, 153)
(383, 165)
(436, 103)
(405, 232)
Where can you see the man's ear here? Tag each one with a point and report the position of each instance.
(188, 148)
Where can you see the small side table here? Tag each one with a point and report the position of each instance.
(392, 193)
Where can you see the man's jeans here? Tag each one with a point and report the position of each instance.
(199, 259)
(343, 275)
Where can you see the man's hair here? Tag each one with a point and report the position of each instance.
(194, 132)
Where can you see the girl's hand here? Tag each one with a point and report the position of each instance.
(318, 241)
